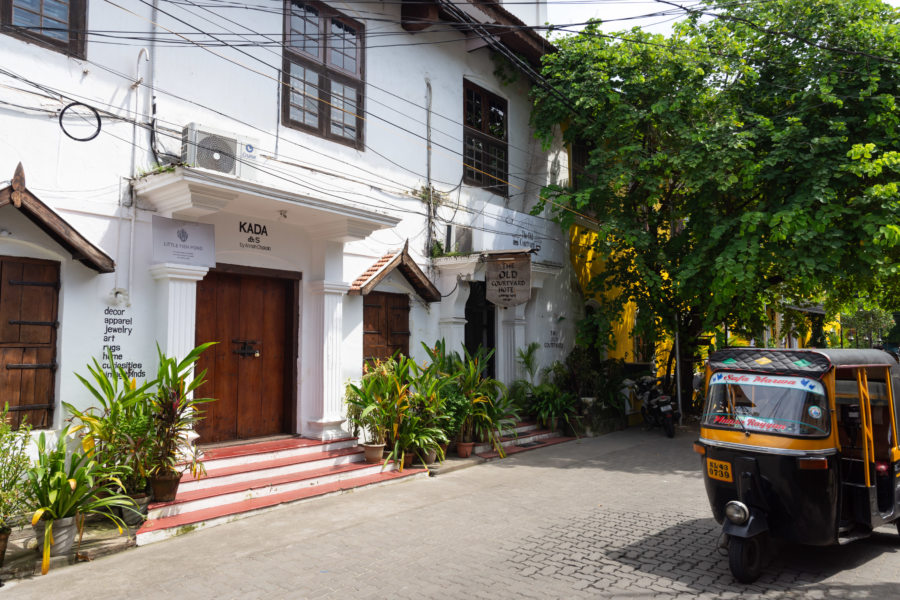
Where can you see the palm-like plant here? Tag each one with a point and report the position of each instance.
(13, 466)
(119, 430)
(481, 392)
(59, 487)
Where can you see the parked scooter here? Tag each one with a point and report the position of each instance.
(657, 409)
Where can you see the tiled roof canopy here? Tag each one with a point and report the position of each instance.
(401, 260)
(53, 225)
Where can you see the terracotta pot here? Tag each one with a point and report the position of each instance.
(165, 486)
(408, 457)
(430, 456)
(464, 449)
(4, 539)
(374, 453)
(444, 447)
(64, 533)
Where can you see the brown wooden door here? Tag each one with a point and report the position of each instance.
(245, 314)
(385, 325)
(29, 290)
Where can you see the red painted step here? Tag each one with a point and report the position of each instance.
(267, 501)
(251, 448)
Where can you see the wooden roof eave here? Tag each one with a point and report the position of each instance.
(53, 225)
(411, 271)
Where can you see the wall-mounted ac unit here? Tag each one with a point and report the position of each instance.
(219, 151)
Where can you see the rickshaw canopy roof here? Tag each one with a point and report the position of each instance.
(814, 362)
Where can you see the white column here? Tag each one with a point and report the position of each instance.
(176, 311)
(452, 322)
(176, 306)
(326, 406)
(510, 337)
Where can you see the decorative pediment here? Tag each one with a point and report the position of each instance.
(402, 261)
(82, 250)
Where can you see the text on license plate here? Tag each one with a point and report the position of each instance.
(718, 469)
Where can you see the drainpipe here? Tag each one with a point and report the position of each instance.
(136, 86)
(428, 232)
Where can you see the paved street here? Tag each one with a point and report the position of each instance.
(621, 516)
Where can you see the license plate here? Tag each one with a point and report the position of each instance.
(665, 408)
(718, 469)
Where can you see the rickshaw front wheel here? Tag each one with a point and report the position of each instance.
(745, 557)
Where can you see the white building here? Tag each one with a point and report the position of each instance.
(269, 176)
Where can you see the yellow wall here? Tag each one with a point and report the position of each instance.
(587, 263)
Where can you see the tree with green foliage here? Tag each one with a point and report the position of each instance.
(749, 160)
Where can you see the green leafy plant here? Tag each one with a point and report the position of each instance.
(61, 486)
(119, 430)
(480, 391)
(175, 412)
(14, 464)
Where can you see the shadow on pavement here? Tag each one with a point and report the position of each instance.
(687, 553)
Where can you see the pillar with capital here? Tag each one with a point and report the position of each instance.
(324, 409)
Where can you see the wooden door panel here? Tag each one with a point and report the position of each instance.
(28, 313)
(10, 300)
(250, 371)
(275, 320)
(38, 303)
(251, 392)
(385, 325)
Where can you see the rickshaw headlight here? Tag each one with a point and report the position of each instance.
(737, 512)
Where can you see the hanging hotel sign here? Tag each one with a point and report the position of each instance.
(508, 278)
(183, 242)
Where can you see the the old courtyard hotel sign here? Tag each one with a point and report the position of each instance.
(508, 278)
(183, 242)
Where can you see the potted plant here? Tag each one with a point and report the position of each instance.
(175, 411)
(369, 405)
(13, 466)
(119, 430)
(479, 392)
(63, 489)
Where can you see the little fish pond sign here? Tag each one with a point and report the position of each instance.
(508, 279)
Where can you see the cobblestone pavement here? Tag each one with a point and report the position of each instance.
(622, 516)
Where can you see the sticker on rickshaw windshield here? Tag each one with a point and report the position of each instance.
(778, 404)
(780, 381)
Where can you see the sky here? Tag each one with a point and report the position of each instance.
(621, 14)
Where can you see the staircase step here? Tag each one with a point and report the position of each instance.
(509, 441)
(159, 529)
(520, 428)
(237, 454)
(204, 498)
(515, 449)
(264, 469)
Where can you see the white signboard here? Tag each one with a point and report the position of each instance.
(183, 242)
(508, 279)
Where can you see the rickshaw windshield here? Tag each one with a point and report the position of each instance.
(778, 404)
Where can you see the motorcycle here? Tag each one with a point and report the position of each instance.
(657, 409)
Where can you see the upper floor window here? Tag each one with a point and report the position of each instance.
(486, 151)
(323, 72)
(57, 24)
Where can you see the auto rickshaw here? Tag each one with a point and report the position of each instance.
(799, 446)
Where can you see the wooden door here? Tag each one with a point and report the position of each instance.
(385, 325)
(29, 290)
(248, 371)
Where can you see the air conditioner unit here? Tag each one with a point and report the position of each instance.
(219, 151)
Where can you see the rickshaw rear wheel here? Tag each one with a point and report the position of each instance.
(745, 556)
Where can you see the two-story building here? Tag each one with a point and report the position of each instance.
(310, 184)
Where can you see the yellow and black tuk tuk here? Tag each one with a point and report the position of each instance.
(799, 445)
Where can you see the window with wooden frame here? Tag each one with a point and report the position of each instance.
(486, 150)
(323, 72)
(55, 24)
